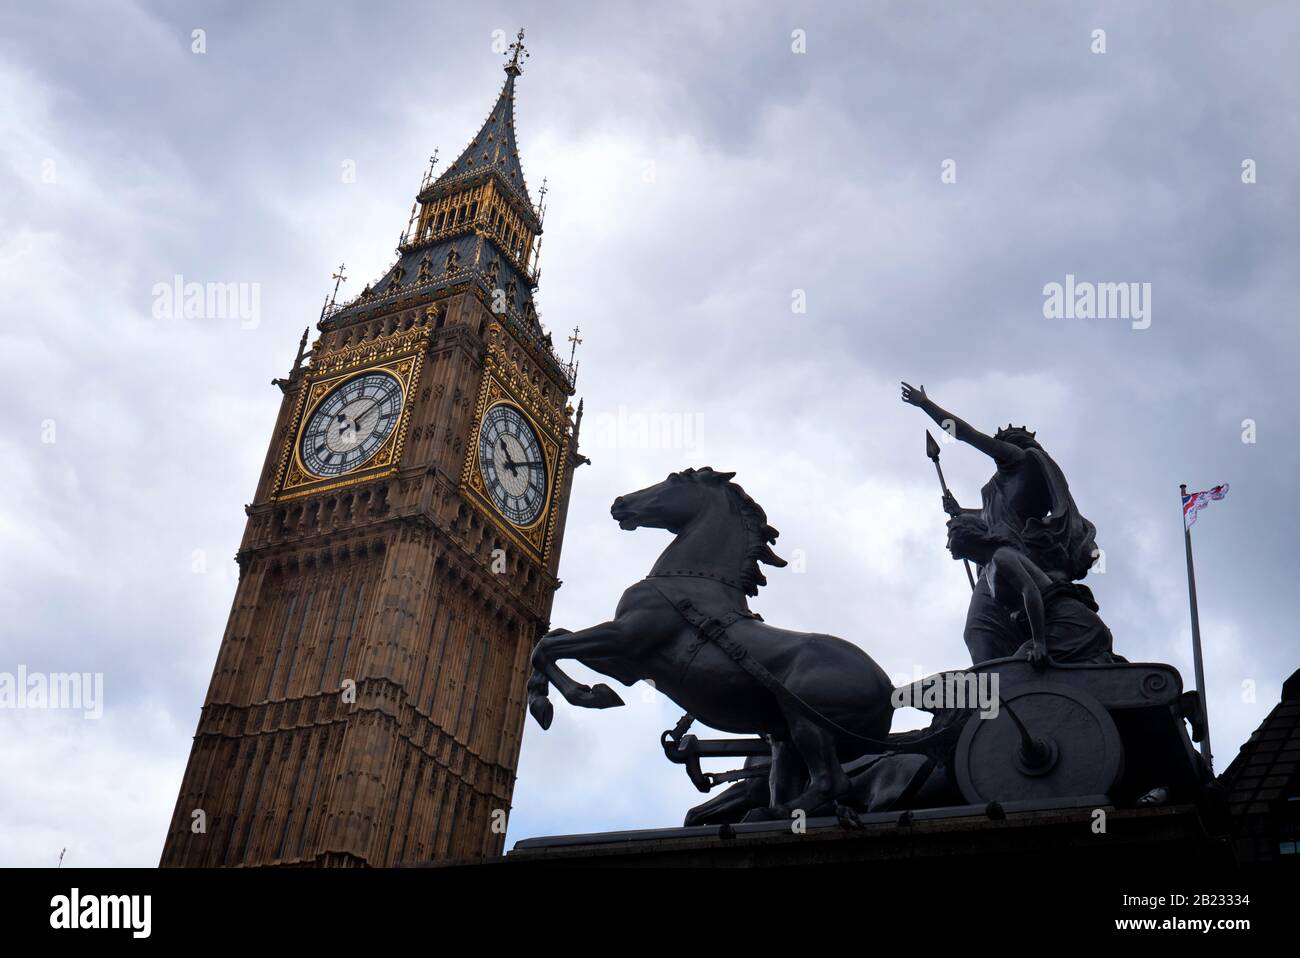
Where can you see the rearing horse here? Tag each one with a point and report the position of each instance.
(822, 701)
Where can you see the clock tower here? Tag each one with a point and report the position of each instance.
(400, 556)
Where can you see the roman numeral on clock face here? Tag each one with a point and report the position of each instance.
(512, 464)
(351, 423)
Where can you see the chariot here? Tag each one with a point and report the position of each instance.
(1117, 730)
(817, 709)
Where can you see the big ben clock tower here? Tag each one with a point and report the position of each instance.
(400, 555)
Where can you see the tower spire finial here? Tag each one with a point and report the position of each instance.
(516, 50)
(339, 277)
(577, 341)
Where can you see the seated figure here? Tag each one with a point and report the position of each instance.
(1059, 618)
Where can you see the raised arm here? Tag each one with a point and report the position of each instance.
(960, 428)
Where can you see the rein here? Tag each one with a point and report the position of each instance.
(714, 630)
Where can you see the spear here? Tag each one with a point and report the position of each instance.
(932, 450)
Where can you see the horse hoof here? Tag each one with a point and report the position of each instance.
(542, 710)
(602, 697)
(847, 816)
(1157, 796)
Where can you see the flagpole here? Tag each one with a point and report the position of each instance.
(1196, 638)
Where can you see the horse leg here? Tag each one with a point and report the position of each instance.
(788, 772)
(539, 704)
(826, 778)
(786, 782)
(593, 643)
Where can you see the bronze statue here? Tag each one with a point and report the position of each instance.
(1072, 719)
(818, 709)
(1059, 616)
(819, 700)
(1027, 506)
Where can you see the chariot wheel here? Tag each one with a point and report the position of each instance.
(1047, 741)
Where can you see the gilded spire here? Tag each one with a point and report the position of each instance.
(516, 50)
(494, 145)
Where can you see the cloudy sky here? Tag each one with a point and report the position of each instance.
(703, 178)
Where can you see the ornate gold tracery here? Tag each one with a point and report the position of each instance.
(506, 379)
(401, 355)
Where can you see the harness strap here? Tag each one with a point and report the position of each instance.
(697, 574)
(736, 775)
(715, 630)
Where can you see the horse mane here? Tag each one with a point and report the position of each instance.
(761, 535)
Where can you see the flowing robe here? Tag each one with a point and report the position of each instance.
(1028, 505)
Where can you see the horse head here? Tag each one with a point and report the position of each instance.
(729, 522)
(670, 504)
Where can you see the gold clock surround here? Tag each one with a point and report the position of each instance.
(401, 355)
(506, 382)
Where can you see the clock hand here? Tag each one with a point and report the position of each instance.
(510, 463)
(356, 417)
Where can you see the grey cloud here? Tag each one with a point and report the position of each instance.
(773, 172)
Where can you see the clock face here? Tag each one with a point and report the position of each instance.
(513, 465)
(351, 423)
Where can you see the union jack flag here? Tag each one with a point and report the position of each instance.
(1194, 502)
